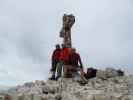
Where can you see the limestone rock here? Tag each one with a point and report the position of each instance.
(113, 88)
(101, 74)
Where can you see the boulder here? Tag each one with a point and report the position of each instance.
(109, 73)
(101, 74)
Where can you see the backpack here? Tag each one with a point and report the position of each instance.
(91, 73)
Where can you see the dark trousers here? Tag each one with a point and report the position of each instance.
(54, 65)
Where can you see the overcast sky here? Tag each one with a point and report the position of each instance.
(29, 29)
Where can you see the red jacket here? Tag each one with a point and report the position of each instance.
(64, 55)
(56, 54)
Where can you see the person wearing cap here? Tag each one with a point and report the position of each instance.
(55, 61)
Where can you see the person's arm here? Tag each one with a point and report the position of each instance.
(80, 62)
(52, 58)
(81, 65)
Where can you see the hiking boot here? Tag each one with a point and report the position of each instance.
(57, 77)
(52, 78)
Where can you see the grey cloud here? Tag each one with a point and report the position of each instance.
(29, 29)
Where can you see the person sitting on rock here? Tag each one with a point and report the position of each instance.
(55, 61)
(75, 64)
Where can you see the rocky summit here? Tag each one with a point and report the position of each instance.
(113, 88)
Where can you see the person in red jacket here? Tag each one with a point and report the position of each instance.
(64, 55)
(55, 60)
(64, 59)
(75, 60)
(75, 65)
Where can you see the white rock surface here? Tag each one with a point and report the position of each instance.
(115, 88)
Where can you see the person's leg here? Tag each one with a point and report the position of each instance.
(67, 71)
(53, 69)
(76, 70)
(59, 69)
(82, 75)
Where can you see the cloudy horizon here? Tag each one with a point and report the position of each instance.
(29, 29)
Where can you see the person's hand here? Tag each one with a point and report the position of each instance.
(82, 72)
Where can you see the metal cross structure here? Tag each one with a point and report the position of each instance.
(65, 33)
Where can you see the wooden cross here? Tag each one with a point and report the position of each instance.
(65, 33)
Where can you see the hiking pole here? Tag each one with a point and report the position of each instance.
(61, 85)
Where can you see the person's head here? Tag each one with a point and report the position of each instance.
(57, 46)
(73, 50)
(63, 45)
